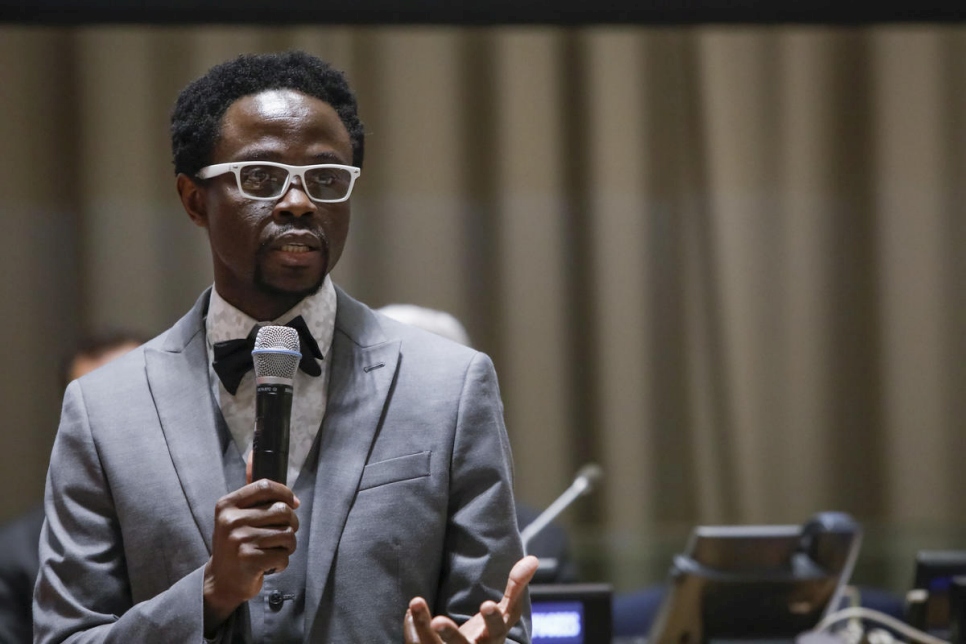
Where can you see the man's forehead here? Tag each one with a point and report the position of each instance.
(273, 116)
(280, 102)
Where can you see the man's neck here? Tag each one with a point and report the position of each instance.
(263, 306)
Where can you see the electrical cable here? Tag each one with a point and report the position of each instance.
(875, 616)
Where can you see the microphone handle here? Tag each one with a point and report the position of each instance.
(577, 488)
(273, 415)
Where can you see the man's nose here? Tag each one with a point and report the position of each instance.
(295, 201)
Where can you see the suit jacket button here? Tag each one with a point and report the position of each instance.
(275, 600)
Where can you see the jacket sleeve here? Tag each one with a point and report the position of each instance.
(82, 592)
(482, 541)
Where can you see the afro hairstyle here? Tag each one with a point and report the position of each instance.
(198, 112)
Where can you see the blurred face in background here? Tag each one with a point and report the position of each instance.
(82, 364)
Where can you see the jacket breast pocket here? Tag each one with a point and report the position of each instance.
(393, 470)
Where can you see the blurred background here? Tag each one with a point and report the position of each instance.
(722, 261)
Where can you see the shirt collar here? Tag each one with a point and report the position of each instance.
(225, 322)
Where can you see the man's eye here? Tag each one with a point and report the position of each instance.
(257, 177)
(322, 179)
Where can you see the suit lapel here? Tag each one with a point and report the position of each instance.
(178, 377)
(363, 367)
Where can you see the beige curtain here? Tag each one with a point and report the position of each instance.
(724, 263)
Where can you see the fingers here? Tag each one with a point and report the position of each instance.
(417, 627)
(489, 626)
(262, 538)
(259, 558)
(277, 514)
(520, 575)
(420, 627)
(276, 519)
(410, 636)
(259, 493)
(496, 626)
(448, 632)
(264, 504)
(255, 529)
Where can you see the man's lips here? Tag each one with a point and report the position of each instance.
(302, 242)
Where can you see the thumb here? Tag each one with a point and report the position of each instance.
(248, 467)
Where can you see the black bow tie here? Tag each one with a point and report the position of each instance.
(233, 358)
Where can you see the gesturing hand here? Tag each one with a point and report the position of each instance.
(255, 530)
(489, 626)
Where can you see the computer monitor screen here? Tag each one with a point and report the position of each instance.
(757, 582)
(935, 570)
(571, 613)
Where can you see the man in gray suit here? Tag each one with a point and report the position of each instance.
(400, 506)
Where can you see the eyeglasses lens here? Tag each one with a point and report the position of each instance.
(321, 184)
(262, 181)
(326, 184)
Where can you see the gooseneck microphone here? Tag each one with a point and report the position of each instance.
(587, 477)
(276, 356)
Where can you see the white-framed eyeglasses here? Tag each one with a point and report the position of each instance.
(266, 180)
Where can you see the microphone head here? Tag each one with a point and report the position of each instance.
(276, 353)
(589, 475)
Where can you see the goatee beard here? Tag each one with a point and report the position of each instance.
(265, 287)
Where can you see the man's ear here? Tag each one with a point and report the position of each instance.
(193, 200)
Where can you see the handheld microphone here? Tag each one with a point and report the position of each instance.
(587, 477)
(276, 357)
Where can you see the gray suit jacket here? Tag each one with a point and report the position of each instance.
(413, 491)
